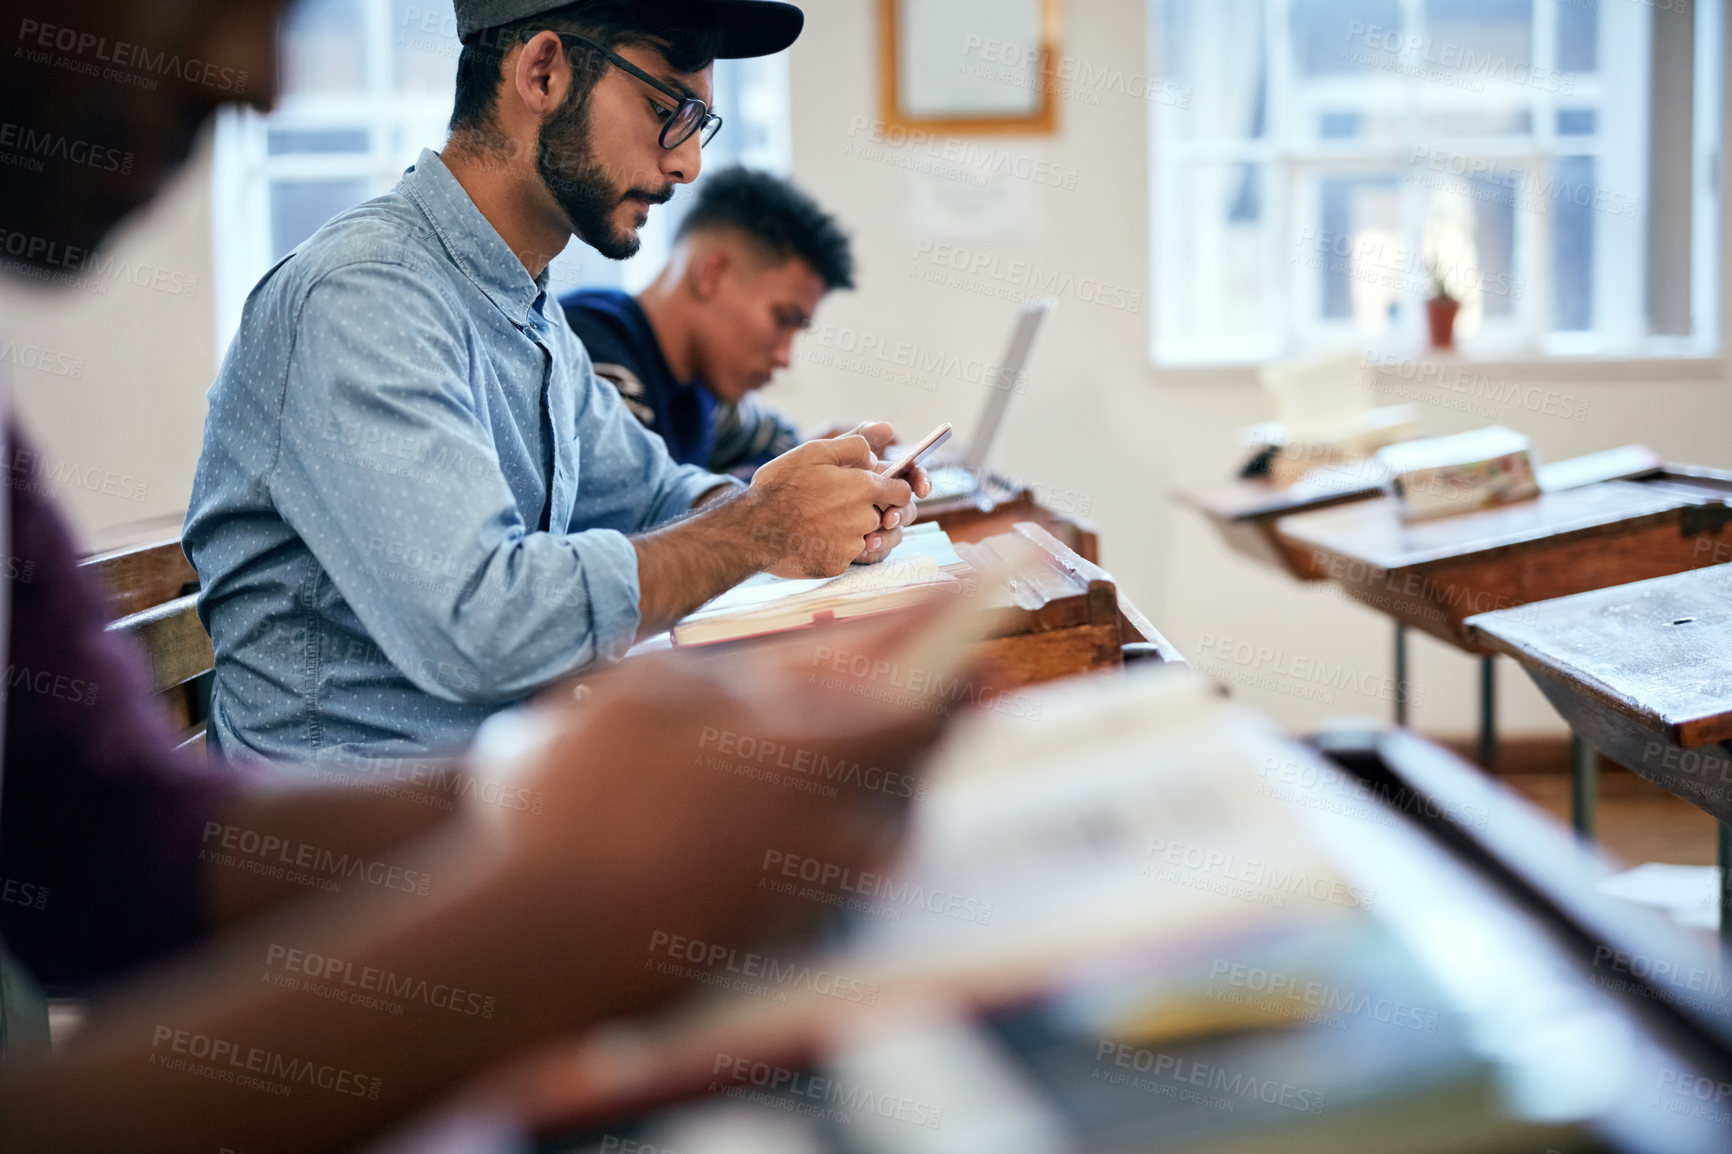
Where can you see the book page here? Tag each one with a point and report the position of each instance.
(924, 553)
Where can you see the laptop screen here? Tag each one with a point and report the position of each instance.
(1005, 385)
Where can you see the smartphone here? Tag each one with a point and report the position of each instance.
(920, 452)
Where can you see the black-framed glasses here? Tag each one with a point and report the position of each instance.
(692, 115)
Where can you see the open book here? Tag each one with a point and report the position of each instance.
(767, 604)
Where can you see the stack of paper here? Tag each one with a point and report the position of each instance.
(1325, 418)
(768, 604)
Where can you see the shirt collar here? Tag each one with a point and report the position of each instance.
(472, 242)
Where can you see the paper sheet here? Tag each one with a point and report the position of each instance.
(1691, 894)
(925, 550)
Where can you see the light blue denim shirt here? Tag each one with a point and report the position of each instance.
(414, 498)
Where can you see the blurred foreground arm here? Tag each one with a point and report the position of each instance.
(534, 925)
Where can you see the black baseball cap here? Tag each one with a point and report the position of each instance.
(748, 27)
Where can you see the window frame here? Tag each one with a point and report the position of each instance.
(1289, 153)
(401, 122)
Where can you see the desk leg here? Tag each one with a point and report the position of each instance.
(1488, 712)
(1584, 786)
(1725, 881)
(1400, 674)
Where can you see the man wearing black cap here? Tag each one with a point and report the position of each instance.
(416, 503)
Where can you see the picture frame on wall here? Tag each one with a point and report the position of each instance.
(970, 67)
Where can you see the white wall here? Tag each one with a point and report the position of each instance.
(120, 440)
(1098, 426)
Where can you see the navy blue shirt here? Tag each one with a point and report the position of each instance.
(624, 350)
(698, 428)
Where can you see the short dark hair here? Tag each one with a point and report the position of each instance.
(684, 31)
(777, 217)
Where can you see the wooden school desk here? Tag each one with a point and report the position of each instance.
(1643, 674)
(1434, 575)
(1245, 513)
(152, 594)
(1057, 616)
(998, 507)
(1060, 615)
(1181, 896)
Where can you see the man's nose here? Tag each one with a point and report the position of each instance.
(681, 165)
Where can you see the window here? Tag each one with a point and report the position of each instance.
(1550, 163)
(367, 84)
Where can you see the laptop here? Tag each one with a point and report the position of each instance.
(967, 478)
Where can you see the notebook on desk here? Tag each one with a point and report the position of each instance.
(953, 480)
(768, 604)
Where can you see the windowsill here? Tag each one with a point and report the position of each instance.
(1535, 367)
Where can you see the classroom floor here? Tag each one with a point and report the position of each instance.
(1636, 821)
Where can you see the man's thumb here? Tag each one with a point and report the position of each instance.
(852, 452)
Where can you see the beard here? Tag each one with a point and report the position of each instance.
(580, 185)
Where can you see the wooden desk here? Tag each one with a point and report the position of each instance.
(1484, 822)
(1159, 865)
(1060, 616)
(1434, 575)
(998, 509)
(152, 593)
(1245, 513)
(1063, 615)
(1643, 674)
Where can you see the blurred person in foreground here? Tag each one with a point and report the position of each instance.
(545, 909)
(753, 259)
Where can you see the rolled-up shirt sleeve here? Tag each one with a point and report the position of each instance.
(386, 468)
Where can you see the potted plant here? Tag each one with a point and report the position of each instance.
(1441, 310)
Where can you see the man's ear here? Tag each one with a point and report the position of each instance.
(709, 267)
(543, 74)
